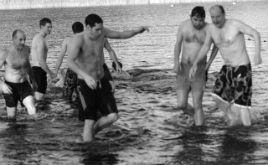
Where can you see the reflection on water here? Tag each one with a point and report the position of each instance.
(145, 103)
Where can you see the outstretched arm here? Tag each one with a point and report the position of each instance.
(177, 51)
(61, 55)
(256, 35)
(125, 34)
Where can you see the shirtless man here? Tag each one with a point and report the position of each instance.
(86, 58)
(232, 90)
(190, 38)
(70, 78)
(16, 85)
(39, 52)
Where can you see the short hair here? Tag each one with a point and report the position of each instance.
(77, 27)
(15, 32)
(44, 21)
(198, 11)
(92, 19)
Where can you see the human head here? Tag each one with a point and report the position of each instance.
(198, 16)
(45, 25)
(94, 24)
(18, 38)
(77, 27)
(217, 14)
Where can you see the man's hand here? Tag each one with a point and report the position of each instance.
(177, 68)
(257, 60)
(112, 85)
(142, 29)
(34, 85)
(192, 71)
(5, 88)
(91, 83)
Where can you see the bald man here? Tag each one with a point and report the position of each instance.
(16, 85)
(233, 87)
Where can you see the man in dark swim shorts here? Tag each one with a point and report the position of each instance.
(16, 86)
(86, 58)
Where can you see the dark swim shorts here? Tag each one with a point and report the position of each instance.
(234, 84)
(97, 102)
(19, 92)
(40, 77)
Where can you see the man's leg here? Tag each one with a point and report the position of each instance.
(182, 101)
(105, 122)
(88, 132)
(11, 113)
(198, 108)
(29, 103)
(39, 96)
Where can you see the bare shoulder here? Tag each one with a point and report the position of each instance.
(77, 39)
(38, 40)
(185, 24)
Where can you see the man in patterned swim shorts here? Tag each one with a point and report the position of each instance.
(232, 91)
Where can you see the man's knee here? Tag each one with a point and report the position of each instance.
(113, 117)
(182, 106)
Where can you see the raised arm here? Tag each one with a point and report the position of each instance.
(125, 34)
(112, 55)
(61, 55)
(177, 50)
(246, 29)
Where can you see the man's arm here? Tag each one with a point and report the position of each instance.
(41, 56)
(112, 55)
(213, 54)
(3, 86)
(201, 55)
(125, 34)
(246, 29)
(177, 50)
(61, 55)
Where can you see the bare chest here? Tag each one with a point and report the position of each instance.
(195, 37)
(17, 61)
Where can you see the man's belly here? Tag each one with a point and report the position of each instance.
(15, 77)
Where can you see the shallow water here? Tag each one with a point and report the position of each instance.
(145, 103)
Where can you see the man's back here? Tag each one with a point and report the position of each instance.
(39, 49)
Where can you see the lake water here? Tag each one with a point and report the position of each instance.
(141, 136)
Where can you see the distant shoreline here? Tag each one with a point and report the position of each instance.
(37, 4)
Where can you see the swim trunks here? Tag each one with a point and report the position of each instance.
(19, 92)
(197, 83)
(40, 77)
(96, 102)
(234, 85)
